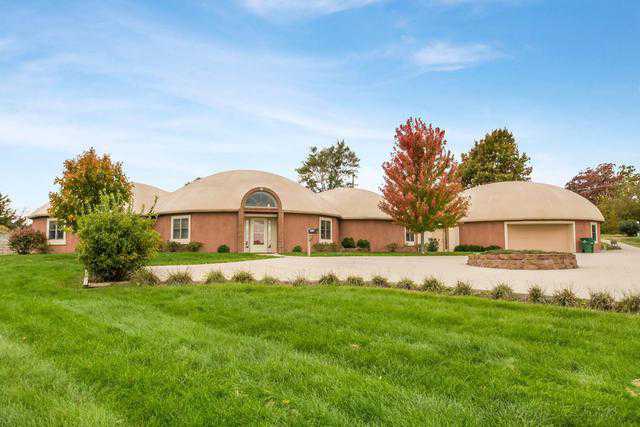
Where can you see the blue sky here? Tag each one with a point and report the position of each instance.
(179, 89)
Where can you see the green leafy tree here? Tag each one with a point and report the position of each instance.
(84, 181)
(332, 167)
(8, 217)
(115, 241)
(495, 158)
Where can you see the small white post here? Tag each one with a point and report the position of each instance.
(308, 243)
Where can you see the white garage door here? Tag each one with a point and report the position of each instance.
(546, 237)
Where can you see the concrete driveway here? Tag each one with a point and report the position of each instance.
(615, 271)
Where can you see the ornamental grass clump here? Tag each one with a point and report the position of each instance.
(144, 277)
(215, 276)
(179, 278)
(300, 281)
(432, 284)
(406, 283)
(565, 297)
(502, 291)
(601, 300)
(462, 288)
(380, 281)
(354, 281)
(243, 277)
(329, 279)
(630, 303)
(269, 280)
(536, 295)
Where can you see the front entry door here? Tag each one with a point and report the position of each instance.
(258, 235)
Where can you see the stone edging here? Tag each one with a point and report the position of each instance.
(524, 261)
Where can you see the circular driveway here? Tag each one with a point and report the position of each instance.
(615, 271)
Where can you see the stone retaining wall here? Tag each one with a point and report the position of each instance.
(525, 261)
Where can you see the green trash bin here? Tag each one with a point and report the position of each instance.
(587, 244)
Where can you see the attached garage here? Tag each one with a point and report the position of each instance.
(527, 215)
(546, 236)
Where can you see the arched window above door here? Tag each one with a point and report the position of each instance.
(261, 199)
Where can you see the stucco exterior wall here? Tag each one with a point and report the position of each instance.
(482, 233)
(40, 224)
(583, 229)
(379, 233)
(295, 230)
(212, 229)
(492, 233)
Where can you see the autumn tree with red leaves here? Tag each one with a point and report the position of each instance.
(600, 182)
(84, 181)
(421, 184)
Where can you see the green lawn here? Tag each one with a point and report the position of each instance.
(331, 254)
(252, 354)
(633, 241)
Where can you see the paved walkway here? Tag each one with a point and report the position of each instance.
(615, 271)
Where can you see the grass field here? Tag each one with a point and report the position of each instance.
(633, 241)
(246, 354)
(171, 258)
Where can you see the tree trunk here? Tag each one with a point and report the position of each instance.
(422, 242)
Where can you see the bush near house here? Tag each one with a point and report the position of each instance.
(392, 247)
(433, 245)
(297, 248)
(348, 243)
(25, 240)
(115, 242)
(171, 246)
(364, 244)
(223, 249)
(325, 247)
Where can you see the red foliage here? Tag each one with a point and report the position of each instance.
(595, 183)
(421, 184)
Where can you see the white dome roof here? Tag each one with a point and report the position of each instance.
(223, 192)
(520, 200)
(143, 198)
(355, 203)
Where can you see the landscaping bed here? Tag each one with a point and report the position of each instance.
(365, 253)
(524, 260)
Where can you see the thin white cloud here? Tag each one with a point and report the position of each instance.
(285, 9)
(445, 56)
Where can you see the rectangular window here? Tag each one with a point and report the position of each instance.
(594, 231)
(55, 232)
(325, 230)
(409, 237)
(180, 228)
